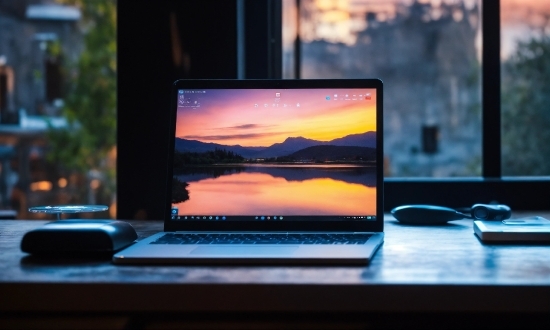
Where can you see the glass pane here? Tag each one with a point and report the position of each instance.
(525, 52)
(57, 105)
(427, 53)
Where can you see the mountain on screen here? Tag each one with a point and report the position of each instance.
(183, 145)
(287, 147)
(334, 153)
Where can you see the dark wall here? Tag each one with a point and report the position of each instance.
(159, 42)
(263, 39)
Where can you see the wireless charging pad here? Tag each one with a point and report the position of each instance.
(77, 236)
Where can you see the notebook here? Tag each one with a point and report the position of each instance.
(271, 172)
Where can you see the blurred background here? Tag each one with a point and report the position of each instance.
(57, 104)
(58, 83)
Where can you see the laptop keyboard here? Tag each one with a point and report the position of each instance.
(255, 238)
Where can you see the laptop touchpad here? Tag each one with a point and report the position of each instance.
(244, 250)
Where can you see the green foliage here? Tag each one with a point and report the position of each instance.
(526, 110)
(90, 102)
(54, 48)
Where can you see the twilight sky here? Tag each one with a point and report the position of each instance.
(258, 118)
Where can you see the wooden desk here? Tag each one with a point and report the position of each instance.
(420, 275)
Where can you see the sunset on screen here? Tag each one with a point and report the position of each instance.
(264, 117)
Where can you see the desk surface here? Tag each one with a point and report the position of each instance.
(440, 268)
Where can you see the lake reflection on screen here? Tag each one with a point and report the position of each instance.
(281, 190)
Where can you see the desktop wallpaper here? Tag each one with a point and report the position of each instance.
(275, 153)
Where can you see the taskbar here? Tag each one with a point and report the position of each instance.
(180, 217)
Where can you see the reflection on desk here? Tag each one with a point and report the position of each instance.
(443, 270)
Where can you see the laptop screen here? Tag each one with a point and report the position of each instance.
(275, 154)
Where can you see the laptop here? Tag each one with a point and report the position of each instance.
(271, 172)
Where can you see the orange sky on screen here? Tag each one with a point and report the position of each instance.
(241, 117)
(265, 194)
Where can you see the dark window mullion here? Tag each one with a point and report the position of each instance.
(491, 144)
(298, 45)
(263, 39)
(275, 35)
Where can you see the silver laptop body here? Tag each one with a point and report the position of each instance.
(271, 172)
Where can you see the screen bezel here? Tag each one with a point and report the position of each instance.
(309, 225)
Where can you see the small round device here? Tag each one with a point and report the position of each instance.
(491, 212)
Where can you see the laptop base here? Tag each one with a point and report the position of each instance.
(144, 252)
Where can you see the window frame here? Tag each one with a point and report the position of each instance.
(520, 193)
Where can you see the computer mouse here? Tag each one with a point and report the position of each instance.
(426, 214)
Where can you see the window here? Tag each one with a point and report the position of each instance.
(443, 106)
(250, 32)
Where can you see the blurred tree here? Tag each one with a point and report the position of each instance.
(86, 148)
(526, 109)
